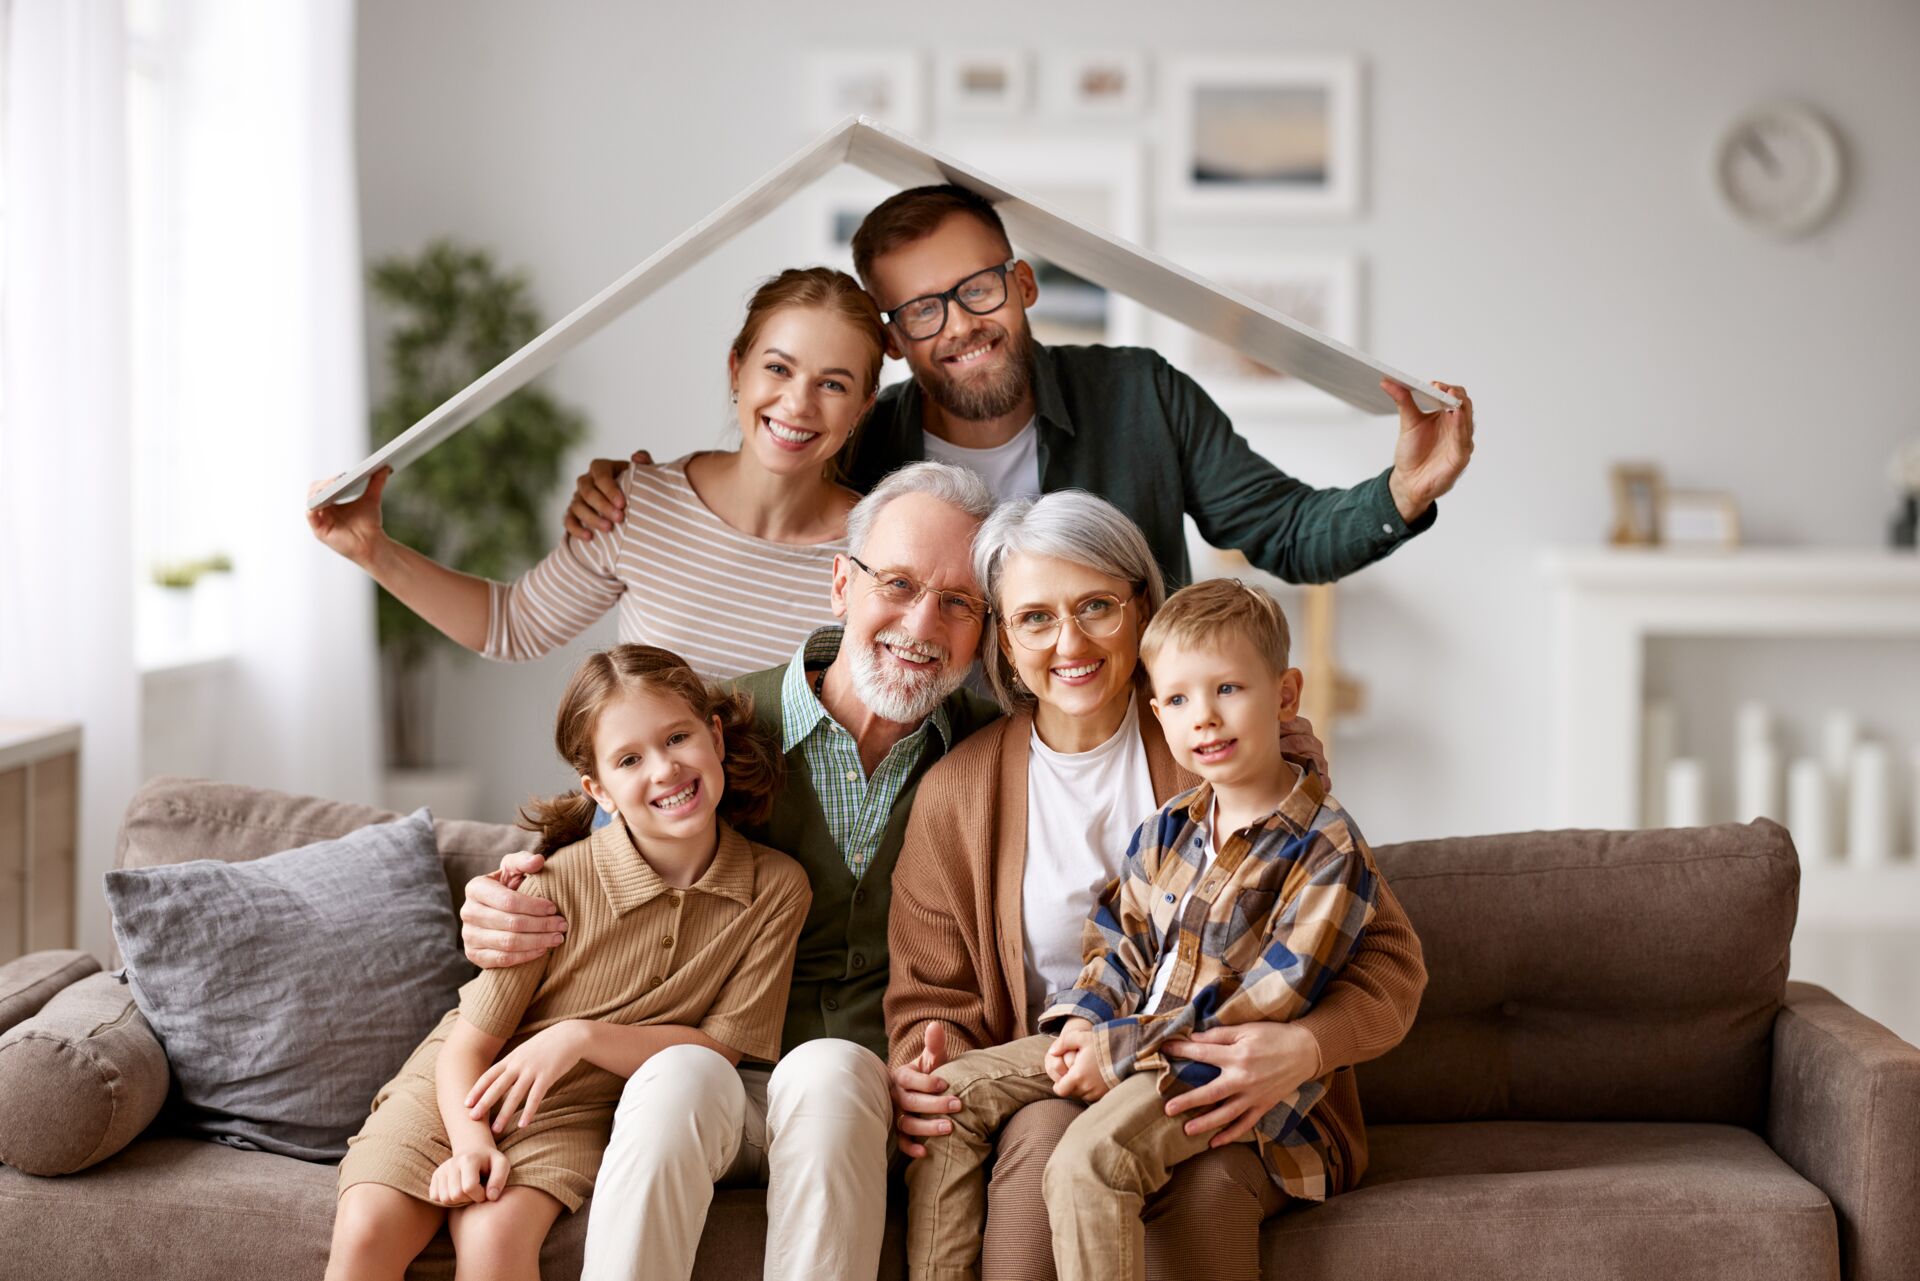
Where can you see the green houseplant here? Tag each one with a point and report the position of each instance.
(477, 500)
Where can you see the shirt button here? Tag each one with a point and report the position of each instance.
(831, 1004)
(853, 776)
(654, 981)
(859, 961)
(667, 941)
(674, 899)
(859, 897)
(1386, 529)
(1169, 898)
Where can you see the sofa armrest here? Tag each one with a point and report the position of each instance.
(29, 982)
(80, 1079)
(1844, 1111)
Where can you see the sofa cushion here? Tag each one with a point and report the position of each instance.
(289, 988)
(175, 1209)
(171, 820)
(29, 982)
(1567, 1200)
(1614, 976)
(81, 1079)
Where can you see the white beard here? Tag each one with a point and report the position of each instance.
(897, 695)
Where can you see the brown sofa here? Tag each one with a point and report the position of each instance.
(1610, 1077)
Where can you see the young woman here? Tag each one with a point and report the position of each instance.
(498, 1145)
(726, 556)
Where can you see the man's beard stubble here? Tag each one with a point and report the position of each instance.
(981, 400)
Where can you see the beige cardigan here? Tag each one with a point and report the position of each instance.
(956, 944)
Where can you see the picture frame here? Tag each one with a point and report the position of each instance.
(1099, 181)
(886, 85)
(1277, 137)
(1638, 498)
(1321, 290)
(982, 84)
(1107, 84)
(1699, 519)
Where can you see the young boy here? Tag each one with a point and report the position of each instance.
(1238, 902)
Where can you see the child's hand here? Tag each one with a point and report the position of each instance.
(525, 1075)
(1066, 1046)
(470, 1178)
(1077, 1075)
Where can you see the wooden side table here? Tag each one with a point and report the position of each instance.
(39, 829)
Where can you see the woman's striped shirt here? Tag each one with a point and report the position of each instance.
(727, 602)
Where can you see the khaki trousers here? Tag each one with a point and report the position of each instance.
(815, 1131)
(1113, 1156)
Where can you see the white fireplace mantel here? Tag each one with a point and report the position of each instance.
(1610, 602)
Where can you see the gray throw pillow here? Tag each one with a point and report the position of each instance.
(288, 989)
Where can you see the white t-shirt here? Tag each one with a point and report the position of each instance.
(1011, 470)
(1209, 851)
(1082, 808)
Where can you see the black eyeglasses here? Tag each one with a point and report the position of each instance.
(982, 293)
(903, 591)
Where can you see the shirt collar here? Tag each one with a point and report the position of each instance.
(629, 881)
(1049, 405)
(1296, 812)
(801, 710)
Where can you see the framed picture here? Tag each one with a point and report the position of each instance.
(1277, 136)
(882, 84)
(981, 85)
(1699, 518)
(1108, 85)
(1637, 502)
(1323, 291)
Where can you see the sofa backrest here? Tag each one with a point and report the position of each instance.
(1592, 975)
(172, 820)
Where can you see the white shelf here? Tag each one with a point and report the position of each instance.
(1610, 603)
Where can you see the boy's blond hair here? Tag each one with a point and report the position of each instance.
(1197, 616)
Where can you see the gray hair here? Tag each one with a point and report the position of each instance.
(1070, 525)
(955, 486)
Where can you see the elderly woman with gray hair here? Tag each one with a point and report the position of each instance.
(1011, 839)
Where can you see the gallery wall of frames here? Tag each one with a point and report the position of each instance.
(1145, 147)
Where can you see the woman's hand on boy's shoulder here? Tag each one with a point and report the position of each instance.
(499, 926)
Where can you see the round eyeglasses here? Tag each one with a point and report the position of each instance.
(902, 591)
(982, 293)
(1097, 617)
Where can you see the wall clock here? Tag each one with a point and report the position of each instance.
(1780, 169)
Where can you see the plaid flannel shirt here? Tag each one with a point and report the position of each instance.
(1275, 916)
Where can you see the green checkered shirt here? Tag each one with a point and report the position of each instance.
(856, 806)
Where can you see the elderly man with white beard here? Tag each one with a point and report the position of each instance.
(862, 711)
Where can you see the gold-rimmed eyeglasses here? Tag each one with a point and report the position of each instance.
(903, 591)
(1097, 617)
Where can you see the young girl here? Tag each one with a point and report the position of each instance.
(682, 935)
(726, 556)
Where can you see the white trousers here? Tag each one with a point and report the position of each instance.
(814, 1131)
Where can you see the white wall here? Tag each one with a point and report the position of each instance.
(1540, 225)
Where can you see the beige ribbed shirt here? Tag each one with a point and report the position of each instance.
(717, 956)
(684, 579)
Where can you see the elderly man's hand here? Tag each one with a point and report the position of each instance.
(1432, 451)
(502, 927)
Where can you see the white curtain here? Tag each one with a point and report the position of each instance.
(66, 573)
(272, 364)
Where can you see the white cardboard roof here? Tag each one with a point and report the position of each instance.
(1255, 331)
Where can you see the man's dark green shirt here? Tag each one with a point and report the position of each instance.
(1122, 423)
